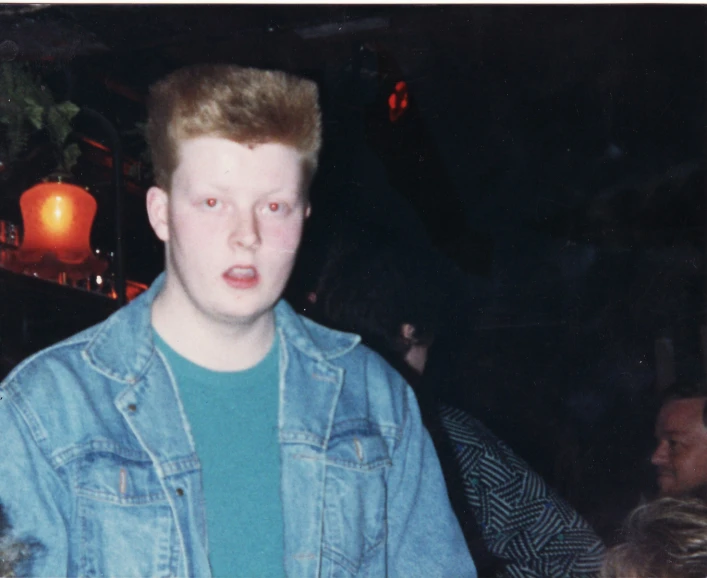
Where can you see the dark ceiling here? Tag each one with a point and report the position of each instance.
(632, 58)
(299, 33)
(144, 40)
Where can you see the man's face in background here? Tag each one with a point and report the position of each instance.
(681, 455)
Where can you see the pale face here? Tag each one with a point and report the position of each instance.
(681, 455)
(416, 358)
(231, 224)
(416, 355)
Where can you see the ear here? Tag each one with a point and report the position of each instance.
(158, 212)
(407, 330)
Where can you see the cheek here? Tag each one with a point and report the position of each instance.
(178, 223)
(188, 230)
(699, 462)
(686, 465)
(278, 237)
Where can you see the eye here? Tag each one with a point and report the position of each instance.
(275, 208)
(211, 203)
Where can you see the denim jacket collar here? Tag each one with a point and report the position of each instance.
(122, 349)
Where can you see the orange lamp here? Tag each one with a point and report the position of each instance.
(57, 219)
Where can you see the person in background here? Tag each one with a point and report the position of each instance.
(680, 456)
(399, 296)
(206, 428)
(665, 538)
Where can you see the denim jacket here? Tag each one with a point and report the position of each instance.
(97, 464)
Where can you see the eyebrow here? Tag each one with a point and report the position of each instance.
(206, 187)
(294, 191)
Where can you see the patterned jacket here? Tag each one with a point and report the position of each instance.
(521, 520)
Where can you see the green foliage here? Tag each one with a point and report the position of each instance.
(34, 112)
(59, 120)
(27, 106)
(71, 155)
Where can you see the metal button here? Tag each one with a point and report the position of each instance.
(132, 407)
(180, 492)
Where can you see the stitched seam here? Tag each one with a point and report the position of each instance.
(372, 466)
(155, 498)
(339, 558)
(69, 454)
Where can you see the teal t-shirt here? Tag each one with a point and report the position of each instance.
(233, 418)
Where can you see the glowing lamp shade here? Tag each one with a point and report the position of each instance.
(57, 219)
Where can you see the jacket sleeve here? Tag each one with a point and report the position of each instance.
(424, 536)
(33, 498)
(525, 522)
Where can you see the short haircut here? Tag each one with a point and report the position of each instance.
(245, 105)
(373, 284)
(666, 538)
(691, 389)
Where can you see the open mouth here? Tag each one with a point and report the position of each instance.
(241, 277)
(241, 272)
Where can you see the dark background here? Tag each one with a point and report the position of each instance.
(554, 153)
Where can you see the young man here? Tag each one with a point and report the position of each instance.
(206, 428)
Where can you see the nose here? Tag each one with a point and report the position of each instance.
(660, 455)
(244, 230)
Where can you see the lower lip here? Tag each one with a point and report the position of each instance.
(241, 282)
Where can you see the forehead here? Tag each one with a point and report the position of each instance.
(225, 164)
(681, 415)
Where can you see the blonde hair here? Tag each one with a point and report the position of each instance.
(245, 105)
(666, 538)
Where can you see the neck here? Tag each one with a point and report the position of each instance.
(219, 345)
(699, 492)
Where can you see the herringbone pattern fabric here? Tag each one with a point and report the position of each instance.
(521, 519)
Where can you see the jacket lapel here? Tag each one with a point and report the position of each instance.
(309, 392)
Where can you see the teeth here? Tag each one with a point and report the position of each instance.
(241, 272)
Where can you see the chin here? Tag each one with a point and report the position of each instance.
(239, 315)
(696, 492)
(667, 490)
(682, 493)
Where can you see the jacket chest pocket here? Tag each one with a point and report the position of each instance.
(354, 499)
(125, 521)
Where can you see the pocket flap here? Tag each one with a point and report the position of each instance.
(358, 451)
(111, 478)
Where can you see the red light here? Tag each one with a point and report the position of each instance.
(133, 289)
(398, 101)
